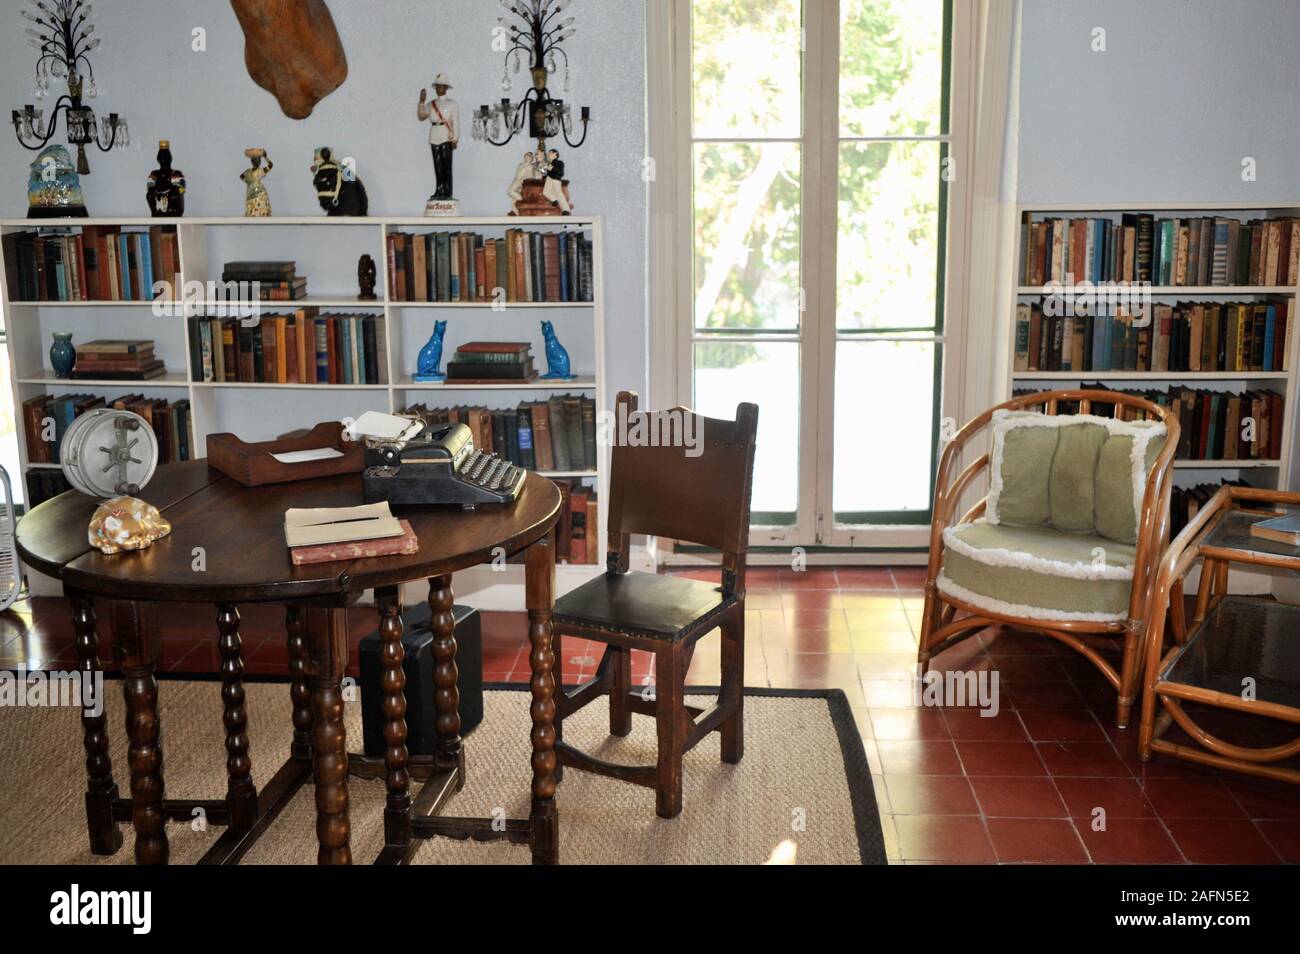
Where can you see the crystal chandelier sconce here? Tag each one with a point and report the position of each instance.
(535, 32)
(62, 35)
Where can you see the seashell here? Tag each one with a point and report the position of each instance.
(126, 523)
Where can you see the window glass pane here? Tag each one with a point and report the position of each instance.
(746, 73)
(891, 67)
(747, 235)
(884, 412)
(766, 373)
(887, 267)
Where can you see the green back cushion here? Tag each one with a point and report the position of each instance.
(1072, 484)
(1026, 459)
(1076, 473)
(1120, 484)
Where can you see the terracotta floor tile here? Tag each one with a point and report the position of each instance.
(821, 619)
(1192, 798)
(1221, 842)
(1261, 798)
(877, 620)
(919, 757)
(1062, 725)
(1002, 797)
(908, 576)
(902, 724)
(1041, 840)
(810, 600)
(1130, 841)
(970, 724)
(873, 602)
(812, 578)
(999, 758)
(1090, 759)
(1030, 695)
(818, 641)
(930, 795)
(1284, 836)
(956, 838)
(889, 693)
(1119, 797)
(864, 578)
(892, 641)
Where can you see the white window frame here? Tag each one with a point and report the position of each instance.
(671, 247)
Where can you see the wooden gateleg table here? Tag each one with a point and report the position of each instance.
(226, 548)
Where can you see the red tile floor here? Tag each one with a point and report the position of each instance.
(1049, 779)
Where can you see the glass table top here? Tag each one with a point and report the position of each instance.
(1233, 533)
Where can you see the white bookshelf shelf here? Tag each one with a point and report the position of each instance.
(1169, 290)
(1152, 376)
(1270, 473)
(204, 242)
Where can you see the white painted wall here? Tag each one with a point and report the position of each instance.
(205, 103)
(1184, 91)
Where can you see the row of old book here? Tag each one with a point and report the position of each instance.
(1188, 336)
(302, 347)
(1186, 502)
(261, 281)
(44, 483)
(46, 420)
(118, 359)
(1205, 250)
(99, 263)
(492, 362)
(557, 434)
(1214, 425)
(464, 266)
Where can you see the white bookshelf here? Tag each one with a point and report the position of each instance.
(1275, 473)
(326, 250)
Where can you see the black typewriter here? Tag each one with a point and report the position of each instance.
(439, 465)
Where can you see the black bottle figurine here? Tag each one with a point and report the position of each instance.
(166, 191)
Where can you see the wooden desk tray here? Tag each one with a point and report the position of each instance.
(252, 464)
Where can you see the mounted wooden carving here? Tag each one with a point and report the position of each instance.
(292, 51)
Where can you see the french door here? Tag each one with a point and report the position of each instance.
(818, 144)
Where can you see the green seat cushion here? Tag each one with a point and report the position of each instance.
(1037, 572)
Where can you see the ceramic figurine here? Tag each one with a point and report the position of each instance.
(53, 188)
(257, 203)
(443, 116)
(338, 189)
(555, 188)
(366, 276)
(126, 523)
(524, 171)
(63, 356)
(426, 368)
(166, 189)
(557, 358)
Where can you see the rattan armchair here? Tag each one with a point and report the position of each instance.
(949, 618)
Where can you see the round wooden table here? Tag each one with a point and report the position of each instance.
(227, 547)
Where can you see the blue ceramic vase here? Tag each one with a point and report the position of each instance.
(63, 356)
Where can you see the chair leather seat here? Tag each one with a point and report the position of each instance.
(658, 606)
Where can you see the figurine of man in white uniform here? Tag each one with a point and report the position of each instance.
(443, 116)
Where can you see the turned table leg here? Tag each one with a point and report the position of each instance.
(329, 649)
(136, 647)
(540, 599)
(101, 790)
(295, 625)
(241, 794)
(446, 694)
(397, 811)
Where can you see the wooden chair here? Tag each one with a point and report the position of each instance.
(675, 492)
(949, 619)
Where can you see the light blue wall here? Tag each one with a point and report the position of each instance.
(205, 103)
(1184, 91)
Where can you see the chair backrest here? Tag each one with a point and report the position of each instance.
(680, 475)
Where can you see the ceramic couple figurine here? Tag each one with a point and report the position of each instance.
(257, 203)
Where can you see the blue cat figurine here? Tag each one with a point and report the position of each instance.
(557, 358)
(426, 365)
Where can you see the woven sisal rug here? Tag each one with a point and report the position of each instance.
(804, 778)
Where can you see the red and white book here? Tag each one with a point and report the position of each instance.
(404, 544)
